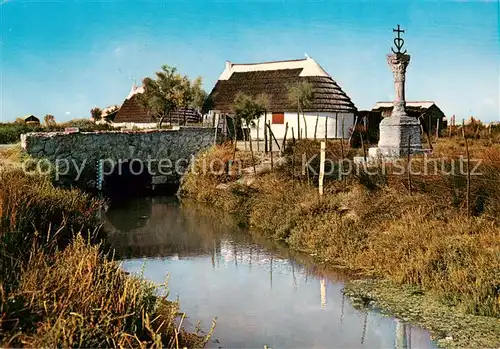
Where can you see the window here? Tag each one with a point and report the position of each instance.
(278, 118)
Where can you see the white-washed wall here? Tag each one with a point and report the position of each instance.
(333, 127)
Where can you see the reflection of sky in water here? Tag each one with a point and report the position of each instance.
(261, 298)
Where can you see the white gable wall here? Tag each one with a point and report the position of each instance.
(333, 127)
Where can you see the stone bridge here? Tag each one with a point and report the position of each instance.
(126, 159)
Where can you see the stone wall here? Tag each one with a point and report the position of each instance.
(74, 157)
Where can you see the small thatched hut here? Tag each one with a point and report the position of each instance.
(31, 120)
(430, 112)
(131, 113)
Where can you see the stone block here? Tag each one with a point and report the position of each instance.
(397, 133)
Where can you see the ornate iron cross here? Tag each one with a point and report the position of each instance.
(399, 41)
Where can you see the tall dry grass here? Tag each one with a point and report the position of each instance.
(34, 212)
(79, 298)
(371, 223)
(57, 289)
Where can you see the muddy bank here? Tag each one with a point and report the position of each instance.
(448, 327)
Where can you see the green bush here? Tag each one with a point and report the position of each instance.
(11, 133)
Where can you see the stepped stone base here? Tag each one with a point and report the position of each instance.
(395, 134)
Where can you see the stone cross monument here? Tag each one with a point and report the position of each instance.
(399, 130)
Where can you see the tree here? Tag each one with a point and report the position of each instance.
(301, 94)
(96, 113)
(168, 92)
(199, 98)
(49, 120)
(106, 115)
(248, 109)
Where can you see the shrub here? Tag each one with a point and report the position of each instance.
(11, 133)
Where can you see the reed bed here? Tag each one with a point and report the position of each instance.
(375, 225)
(59, 289)
(79, 298)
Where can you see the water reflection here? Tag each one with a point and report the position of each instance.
(262, 293)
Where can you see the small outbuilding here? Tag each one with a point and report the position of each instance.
(132, 113)
(31, 120)
(431, 114)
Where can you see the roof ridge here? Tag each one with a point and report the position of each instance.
(407, 102)
(267, 62)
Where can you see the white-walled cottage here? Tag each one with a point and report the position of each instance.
(330, 104)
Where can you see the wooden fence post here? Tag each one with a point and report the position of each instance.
(216, 128)
(293, 159)
(342, 151)
(408, 164)
(336, 124)
(271, 147)
(265, 133)
(322, 168)
(284, 138)
(363, 146)
(342, 140)
(353, 129)
(468, 170)
(271, 137)
(326, 128)
(258, 139)
(316, 126)
(251, 152)
(305, 125)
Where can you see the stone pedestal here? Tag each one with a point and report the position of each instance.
(395, 134)
(399, 129)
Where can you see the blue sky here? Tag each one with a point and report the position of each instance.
(65, 57)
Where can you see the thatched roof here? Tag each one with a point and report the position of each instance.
(132, 111)
(274, 79)
(413, 108)
(31, 118)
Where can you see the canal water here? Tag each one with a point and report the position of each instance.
(261, 293)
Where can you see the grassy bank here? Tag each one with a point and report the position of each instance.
(372, 224)
(58, 289)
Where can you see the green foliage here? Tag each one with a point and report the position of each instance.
(248, 109)
(301, 94)
(96, 113)
(169, 91)
(84, 125)
(11, 132)
(49, 120)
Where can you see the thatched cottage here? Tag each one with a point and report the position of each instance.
(131, 113)
(330, 103)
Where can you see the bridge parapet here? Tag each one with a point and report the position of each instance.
(74, 157)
